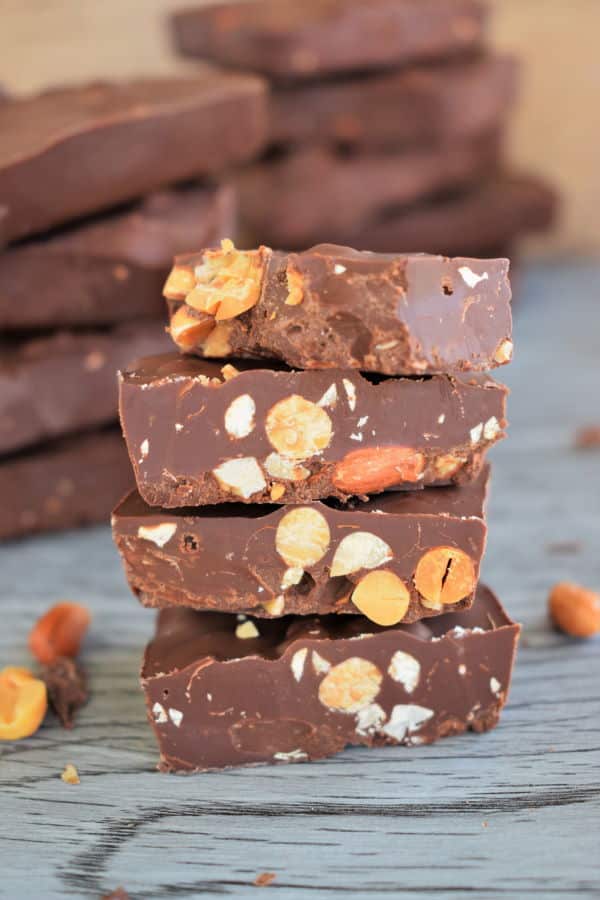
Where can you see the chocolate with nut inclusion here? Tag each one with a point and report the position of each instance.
(334, 307)
(400, 557)
(199, 433)
(223, 692)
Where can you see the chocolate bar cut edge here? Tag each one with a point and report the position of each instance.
(222, 692)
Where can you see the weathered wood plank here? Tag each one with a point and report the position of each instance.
(514, 813)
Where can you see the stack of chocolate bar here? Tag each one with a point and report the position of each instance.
(386, 127)
(309, 515)
(71, 286)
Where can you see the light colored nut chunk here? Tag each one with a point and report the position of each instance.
(504, 352)
(188, 330)
(351, 685)
(277, 491)
(217, 343)
(406, 718)
(180, 282)
(360, 550)
(247, 630)
(491, 428)
(444, 576)
(295, 287)
(447, 464)
(239, 416)
(228, 282)
(405, 669)
(275, 606)
(297, 663)
(298, 428)
(159, 534)
(382, 597)
(242, 476)
(302, 537)
(291, 576)
(279, 467)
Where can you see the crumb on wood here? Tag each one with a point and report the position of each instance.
(264, 879)
(70, 774)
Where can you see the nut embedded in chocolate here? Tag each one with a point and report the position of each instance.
(210, 438)
(302, 688)
(385, 313)
(400, 557)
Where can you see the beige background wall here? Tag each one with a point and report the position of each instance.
(556, 130)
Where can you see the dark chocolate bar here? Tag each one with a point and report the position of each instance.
(314, 192)
(424, 105)
(112, 268)
(226, 691)
(401, 557)
(64, 383)
(333, 307)
(64, 484)
(288, 39)
(200, 434)
(478, 221)
(79, 150)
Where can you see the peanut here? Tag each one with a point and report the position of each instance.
(382, 597)
(351, 685)
(444, 576)
(298, 428)
(187, 330)
(302, 537)
(23, 704)
(59, 632)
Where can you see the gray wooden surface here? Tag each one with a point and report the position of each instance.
(514, 813)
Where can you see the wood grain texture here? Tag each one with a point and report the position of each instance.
(514, 813)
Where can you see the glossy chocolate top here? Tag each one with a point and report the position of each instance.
(79, 150)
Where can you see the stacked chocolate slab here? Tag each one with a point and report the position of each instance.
(309, 515)
(91, 214)
(387, 122)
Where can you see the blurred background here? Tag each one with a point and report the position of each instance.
(556, 41)
(486, 147)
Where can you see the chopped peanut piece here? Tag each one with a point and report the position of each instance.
(70, 774)
(59, 632)
(575, 609)
(295, 287)
(382, 597)
(217, 342)
(359, 550)
(302, 537)
(351, 685)
(23, 704)
(179, 283)
(444, 576)
(373, 470)
(187, 330)
(228, 282)
(277, 492)
(298, 428)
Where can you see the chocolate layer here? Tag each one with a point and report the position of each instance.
(286, 39)
(307, 560)
(423, 105)
(110, 269)
(79, 150)
(57, 385)
(223, 692)
(314, 192)
(65, 484)
(259, 434)
(333, 307)
(478, 221)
